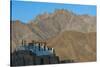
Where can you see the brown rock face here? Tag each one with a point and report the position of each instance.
(75, 45)
(73, 36)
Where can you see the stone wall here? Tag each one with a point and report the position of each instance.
(23, 58)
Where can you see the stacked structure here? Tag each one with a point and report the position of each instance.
(38, 52)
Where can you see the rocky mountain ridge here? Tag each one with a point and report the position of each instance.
(58, 29)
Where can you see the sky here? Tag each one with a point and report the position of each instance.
(26, 11)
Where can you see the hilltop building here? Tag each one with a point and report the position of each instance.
(35, 53)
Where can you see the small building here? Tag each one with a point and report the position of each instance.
(34, 53)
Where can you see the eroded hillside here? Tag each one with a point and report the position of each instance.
(73, 36)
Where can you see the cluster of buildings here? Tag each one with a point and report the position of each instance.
(38, 52)
(39, 48)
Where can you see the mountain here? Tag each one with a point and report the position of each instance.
(73, 36)
(74, 45)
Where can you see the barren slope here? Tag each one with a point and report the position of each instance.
(75, 45)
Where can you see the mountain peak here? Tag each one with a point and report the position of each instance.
(62, 11)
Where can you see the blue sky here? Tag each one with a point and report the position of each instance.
(26, 11)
